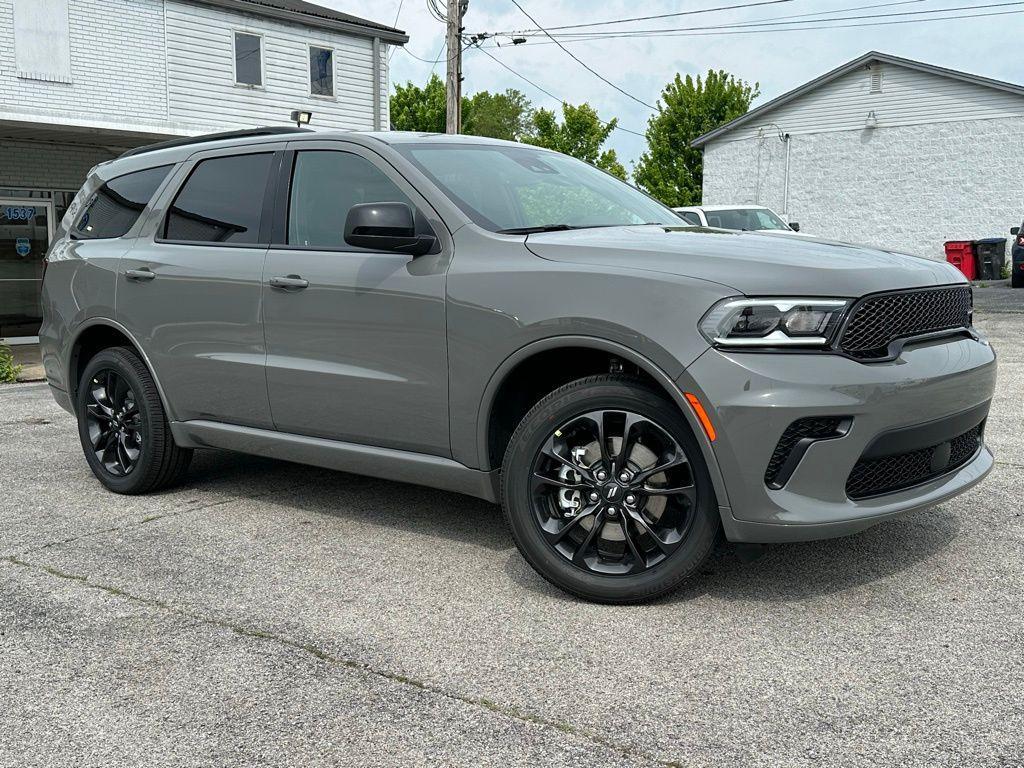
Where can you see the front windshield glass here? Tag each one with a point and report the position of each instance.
(745, 218)
(505, 188)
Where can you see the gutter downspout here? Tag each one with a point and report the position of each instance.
(376, 83)
(785, 187)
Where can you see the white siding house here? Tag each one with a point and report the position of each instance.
(81, 81)
(882, 151)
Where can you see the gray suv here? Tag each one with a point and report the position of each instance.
(510, 323)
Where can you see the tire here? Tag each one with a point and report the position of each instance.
(144, 431)
(538, 516)
(1017, 275)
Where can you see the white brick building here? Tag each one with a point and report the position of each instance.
(882, 151)
(83, 80)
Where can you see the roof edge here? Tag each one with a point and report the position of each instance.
(357, 26)
(843, 69)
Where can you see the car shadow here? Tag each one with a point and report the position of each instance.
(785, 573)
(393, 505)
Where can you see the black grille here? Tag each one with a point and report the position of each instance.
(886, 474)
(815, 428)
(878, 321)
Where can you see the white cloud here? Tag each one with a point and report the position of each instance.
(779, 61)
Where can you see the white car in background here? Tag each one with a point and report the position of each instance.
(742, 217)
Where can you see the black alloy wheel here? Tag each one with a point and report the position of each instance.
(113, 422)
(613, 492)
(607, 493)
(123, 428)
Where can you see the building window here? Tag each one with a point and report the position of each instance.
(321, 71)
(42, 43)
(248, 59)
(222, 201)
(117, 205)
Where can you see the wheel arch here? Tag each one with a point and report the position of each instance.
(94, 336)
(490, 430)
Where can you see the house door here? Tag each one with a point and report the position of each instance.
(26, 229)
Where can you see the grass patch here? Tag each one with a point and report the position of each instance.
(9, 370)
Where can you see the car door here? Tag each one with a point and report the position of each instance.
(191, 292)
(356, 340)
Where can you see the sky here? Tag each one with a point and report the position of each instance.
(779, 61)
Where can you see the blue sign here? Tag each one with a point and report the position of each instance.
(23, 246)
(19, 213)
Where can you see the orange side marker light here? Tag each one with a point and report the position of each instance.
(702, 415)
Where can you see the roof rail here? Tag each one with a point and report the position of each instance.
(187, 140)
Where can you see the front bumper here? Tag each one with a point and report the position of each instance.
(753, 398)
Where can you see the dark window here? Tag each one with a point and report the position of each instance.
(325, 185)
(117, 205)
(222, 201)
(248, 59)
(321, 71)
(690, 217)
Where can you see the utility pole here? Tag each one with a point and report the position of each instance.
(453, 83)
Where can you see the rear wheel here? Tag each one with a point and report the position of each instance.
(123, 428)
(607, 493)
(1017, 275)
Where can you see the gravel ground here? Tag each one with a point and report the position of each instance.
(997, 296)
(270, 614)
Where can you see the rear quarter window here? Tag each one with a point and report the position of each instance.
(117, 205)
(221, 202)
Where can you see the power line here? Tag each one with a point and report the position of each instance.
(661, 15)
(543, 90)
(395, 24)
(777, 22)
(719, 33)
(584, 64)
(440, 55)
(753, 22)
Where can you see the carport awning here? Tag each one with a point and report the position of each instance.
(61, 129)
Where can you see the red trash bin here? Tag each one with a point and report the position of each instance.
(960, 253)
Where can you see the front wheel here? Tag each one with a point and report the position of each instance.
(123, 428)
(607, 493)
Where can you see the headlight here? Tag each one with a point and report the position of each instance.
(773, 322)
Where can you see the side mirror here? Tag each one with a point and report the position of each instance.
(386, 227)
(1015, 230)
(795, 226)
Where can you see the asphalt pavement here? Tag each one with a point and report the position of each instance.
(268, 614)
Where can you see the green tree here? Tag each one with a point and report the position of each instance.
(580, 134)
(498, 115)
(423, 109)
(671, 170)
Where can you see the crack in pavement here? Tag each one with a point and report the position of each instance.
(149, 519)
(505, 710)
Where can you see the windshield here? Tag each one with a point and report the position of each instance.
(744, 218)
(508, 189)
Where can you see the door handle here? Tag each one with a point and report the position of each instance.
(291, 282)
(139, 274)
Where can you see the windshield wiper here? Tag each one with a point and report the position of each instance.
(532, 230)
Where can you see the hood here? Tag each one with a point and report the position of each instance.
(751, 263)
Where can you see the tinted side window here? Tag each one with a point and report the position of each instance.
(325, 185)
(117, 205)
(690, 217)
(222, 201)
